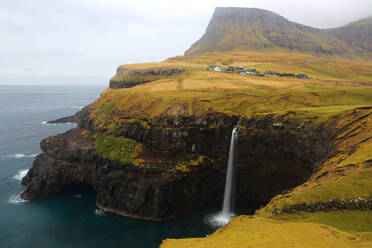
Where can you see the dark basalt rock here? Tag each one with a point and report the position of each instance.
(128, 79)
(208, 134)
(119, 190)
(73, 118)
(68, 119)
(273, 154)
(127, 190)
(330, 205)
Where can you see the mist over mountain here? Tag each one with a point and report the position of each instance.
(252, 29)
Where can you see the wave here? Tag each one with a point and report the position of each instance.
(54, 124)
(77, 107)
(77, 195)
(19, 155)
(16, 199)
(20, 174)
(99, 212)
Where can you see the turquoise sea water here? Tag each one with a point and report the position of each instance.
(70, 218)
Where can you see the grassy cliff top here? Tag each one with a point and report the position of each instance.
(154, 66)
(336, 85)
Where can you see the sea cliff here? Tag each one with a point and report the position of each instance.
(154, 144)
(181, 161)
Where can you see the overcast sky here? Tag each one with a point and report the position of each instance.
(83, 41)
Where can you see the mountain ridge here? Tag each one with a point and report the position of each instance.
(251, 29)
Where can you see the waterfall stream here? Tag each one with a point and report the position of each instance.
(229, 184)
(227, 214)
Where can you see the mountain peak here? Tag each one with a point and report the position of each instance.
(239, 11)
(234, 28)
(364, 21)
(241, 17)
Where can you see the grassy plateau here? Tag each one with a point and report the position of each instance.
(338, 93)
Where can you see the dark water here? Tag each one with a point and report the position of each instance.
(68, 219)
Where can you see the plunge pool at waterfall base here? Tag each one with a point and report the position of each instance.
(218, 219)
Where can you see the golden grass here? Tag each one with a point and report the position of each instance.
(318, 67)
(234, 94)
(356, 222)
(245, 232)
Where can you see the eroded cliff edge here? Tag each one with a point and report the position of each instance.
(179, 161)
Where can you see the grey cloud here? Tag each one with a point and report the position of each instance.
(74, 40)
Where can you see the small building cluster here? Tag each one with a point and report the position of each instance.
(214, 68)
(254, 72)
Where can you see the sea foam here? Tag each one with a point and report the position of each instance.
(55, 124)
(16, 199)
(20, 174)
(99, 212)
(77, 107)
(19, 155)
(77, 195)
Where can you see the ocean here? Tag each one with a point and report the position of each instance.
(70, 218)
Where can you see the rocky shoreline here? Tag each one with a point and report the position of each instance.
(283, 152)
(63, 120)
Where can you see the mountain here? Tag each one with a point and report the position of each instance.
(357, 34)
(252, 29)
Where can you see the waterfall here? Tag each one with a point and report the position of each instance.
(224, 217)
(229, 184)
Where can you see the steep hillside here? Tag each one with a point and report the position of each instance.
(251, 29)
(357, 34)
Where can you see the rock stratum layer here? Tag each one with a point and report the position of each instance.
(68, 160)
(125, 78)
(181, 162)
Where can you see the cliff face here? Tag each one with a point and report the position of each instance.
(251, 29)
(337, 195)
(68, 160)
(129, 78)
(182, 162)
